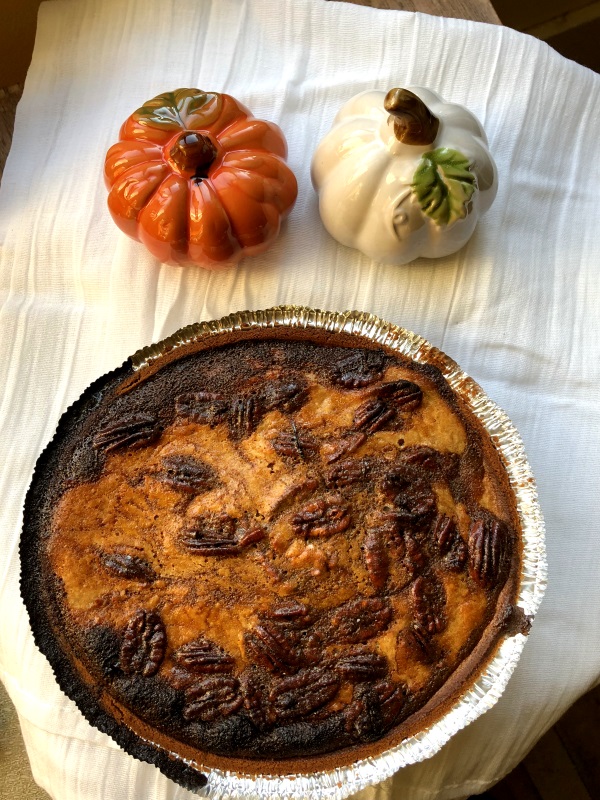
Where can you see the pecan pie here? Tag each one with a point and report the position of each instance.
(278, 552)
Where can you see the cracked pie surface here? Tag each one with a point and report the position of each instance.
(282, 553)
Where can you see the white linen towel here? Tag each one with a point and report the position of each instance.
(517, 308)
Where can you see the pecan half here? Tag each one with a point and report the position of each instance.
(244, 416)
(254, 701)
(415, 505)
(131, 430)
(296, 443)
(404, 394)
(376, 558)
(213, 698)
(360, 368)
(349, 472)
(490, 551)
(397, 478)
(406, 483)
(421, 457)
(219, 535)
(212, 547)
(444, 532)
(286, 395)
(322, 518)
(298, 696)
(414, 557)
(181, 678)
(374, 709)
(360, 620)
(292, 613)
(428, 600)
(284, 641)
(127, 566)
(209, 546)
(450, 542)
(361, 666)
(409, 480)
(205, 408)
(457, 557)
(390, 699)
(390, 525)
(187, 474)
(144, 644)
(372, 415)
(345, 446)
(274, 648)
(423, 646)
(203, 656)
(361, 720)
(251, 536)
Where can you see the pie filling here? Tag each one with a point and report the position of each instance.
(275, 549)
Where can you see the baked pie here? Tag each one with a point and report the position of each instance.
(270, 551)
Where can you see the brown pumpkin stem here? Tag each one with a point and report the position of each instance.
(413, 121)
(193, 152)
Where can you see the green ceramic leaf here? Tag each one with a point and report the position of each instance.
(443, 185)
(171, 110)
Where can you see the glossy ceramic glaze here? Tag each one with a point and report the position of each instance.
(198, 180)
(398, 185)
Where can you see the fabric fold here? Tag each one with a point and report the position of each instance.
(517, 308)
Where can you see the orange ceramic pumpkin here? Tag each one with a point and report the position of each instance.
(198, 180)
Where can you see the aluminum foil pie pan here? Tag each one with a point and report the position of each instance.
(340, 783)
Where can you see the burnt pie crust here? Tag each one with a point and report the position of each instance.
(275, 552)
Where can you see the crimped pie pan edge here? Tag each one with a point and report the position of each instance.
(339, 783)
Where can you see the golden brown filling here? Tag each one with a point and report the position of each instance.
(311, 546)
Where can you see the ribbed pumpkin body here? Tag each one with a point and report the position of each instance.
(198, 180)
(397, 201)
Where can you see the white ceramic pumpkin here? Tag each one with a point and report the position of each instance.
(403, 175)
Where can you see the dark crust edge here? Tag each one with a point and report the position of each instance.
(140, 743)
(32, 587)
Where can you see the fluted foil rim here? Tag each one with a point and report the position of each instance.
(483, 694)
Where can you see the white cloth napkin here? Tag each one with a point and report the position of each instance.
(517, 308)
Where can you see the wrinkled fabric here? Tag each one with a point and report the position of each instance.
(517, 307)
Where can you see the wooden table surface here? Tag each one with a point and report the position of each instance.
(478, 10)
